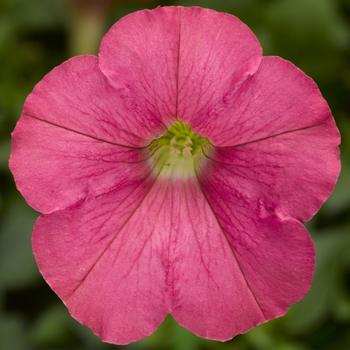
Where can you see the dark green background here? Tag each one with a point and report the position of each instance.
(36, 35)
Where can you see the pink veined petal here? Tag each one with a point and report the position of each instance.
(55, 168)
(76, 96)
(207, 292)
(120, 270)
(66, 143)
(139, 57)
(101, 258)
(178, 61)
(217, 53)
(274, 255)
(292, 173)
(278, 98)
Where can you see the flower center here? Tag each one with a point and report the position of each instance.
(179, 153)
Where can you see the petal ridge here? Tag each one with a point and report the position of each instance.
(223, 231)
(82, 133)
(115, 236)
(73, 128)
(285, 168)
(276, 135)
(181, 66)
(278, 97)
(106, 264)
(283, 219)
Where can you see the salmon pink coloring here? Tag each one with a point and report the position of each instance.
(173, 173)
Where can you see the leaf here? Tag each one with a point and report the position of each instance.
(52, 327)
(331, 246)
(311, 33)
(12, 335)
(17, 266)
(340, 199)
(4, 154)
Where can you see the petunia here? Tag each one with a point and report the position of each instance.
(173, 173)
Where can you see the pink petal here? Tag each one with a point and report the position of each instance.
(177, 61)
(66, 143)
(120, 268)
(278, 98)
(292, 173)
(77, 96)
(102, 259)
(217, 53)
(55, 168)
(139, 57)
(270, 267)
(234, 270)
(210, 296)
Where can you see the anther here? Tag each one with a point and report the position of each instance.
(174, 152)
(187, 151)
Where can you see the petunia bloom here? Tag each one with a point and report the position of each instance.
(173, 173)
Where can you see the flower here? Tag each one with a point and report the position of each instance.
(174, 173)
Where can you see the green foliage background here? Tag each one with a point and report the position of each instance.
(36, 35)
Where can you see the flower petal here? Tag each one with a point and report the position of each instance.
(294, 173)
(177, 61)
(232, 272)
(77, 96)
(102, 259)
(120, 267)
(278, 98)
(139, 57)
(217, 53)
(67, 141)
(55, 168)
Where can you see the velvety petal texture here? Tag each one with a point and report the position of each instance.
(139, 56)
(284, 170)
(278, 99)
(77, 96)
(171, 254)
(101, 257)
(217, 53)
(58, 167)
(77, 136)
(224, 248)
(178, 61)
(274, 251)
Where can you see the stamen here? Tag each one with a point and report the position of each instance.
(178, 153)
(187, 152)
(174, 152)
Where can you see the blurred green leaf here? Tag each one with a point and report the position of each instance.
(17, 267)
(310, 32)
(52, 327)
(261, 338)
(4, 154)
(322, 300)
(12, 336)
(291, 347)
(35, 13)
(340, 198)
(170, 336)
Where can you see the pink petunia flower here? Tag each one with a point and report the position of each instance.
(174, 173)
